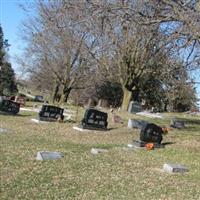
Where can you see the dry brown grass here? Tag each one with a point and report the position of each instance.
(118, 174)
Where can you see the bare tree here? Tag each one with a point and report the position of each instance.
(56, 46)
(140, 37)
(121, 40)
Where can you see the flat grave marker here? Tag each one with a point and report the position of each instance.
(3, 130)
(174, 168)
(48, 155)
(96, 151)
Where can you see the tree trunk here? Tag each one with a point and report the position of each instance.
(55, 93)
(135, 95)
(67, 92)
(65, 95)
(126, 99)
(165, 106)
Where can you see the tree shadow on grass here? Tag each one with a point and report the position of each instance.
(15, 115)
(191, 128)
(168, 143)
(24, 115)
(190, 121)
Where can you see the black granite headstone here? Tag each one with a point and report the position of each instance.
(9, 106)
(151, 133)
(51, 113)
(94, 119)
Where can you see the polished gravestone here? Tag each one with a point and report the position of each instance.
(150, 133)
(142, 144)
(94, 119)
(9, 106)
(51, 113)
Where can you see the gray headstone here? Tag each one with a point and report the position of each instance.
(176, 123)
(47, 155)
(134, 107)
(133, 123)
(174, 168)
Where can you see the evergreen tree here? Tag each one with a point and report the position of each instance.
(2, 53)
(7, 75)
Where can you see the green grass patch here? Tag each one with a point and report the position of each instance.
(117, 174)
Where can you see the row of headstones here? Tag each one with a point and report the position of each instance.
(175, 123)
(47, 113)
(94, 119)
(92, 116)
(134, 106)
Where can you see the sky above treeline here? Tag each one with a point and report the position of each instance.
(11, 17)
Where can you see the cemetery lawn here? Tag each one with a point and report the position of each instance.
(117, 174)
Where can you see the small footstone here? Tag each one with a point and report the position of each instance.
(3, 130)
(38, 121)
(97, 151)
(174, 168)
(141, 144)
(47, 155)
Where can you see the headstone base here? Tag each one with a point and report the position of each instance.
(46, 119)
(80, 129)
(38, 121)
(88, 127)
(141, 144)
